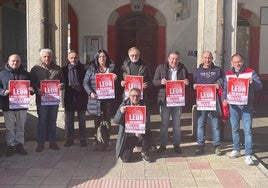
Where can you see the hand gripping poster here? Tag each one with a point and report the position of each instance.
(175, 93)
(135, 119)
(206, 97)
(133, 82)
(237, 91)
(105, 86)
(50, 92)
(19, 94)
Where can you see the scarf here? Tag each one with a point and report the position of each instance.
(72, 76)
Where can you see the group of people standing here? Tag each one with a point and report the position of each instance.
(79, 89)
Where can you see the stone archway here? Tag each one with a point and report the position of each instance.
(254, 37)
(147, 10)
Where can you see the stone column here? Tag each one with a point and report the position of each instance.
(56, 40)
(58, 28)
(33, 17)
(210, 31)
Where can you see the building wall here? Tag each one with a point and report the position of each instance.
(254, 7)
(181, 35)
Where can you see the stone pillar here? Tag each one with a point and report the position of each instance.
(208, 32)
(33, 17)
(58, 29)
(56, 40)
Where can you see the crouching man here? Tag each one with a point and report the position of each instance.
(127, 141)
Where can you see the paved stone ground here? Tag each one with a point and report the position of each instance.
(81, 167)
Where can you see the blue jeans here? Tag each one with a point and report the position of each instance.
(201, 124)
(47, 117)
(69, 123)
(175, 113)
(244, 113)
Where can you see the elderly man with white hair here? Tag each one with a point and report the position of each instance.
(46, 69)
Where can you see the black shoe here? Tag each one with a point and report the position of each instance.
(68, 143)
(177, 149)
(161, 149)
(20, 150)
(146, 158)
(54, 146)
(199, 150)
(10, 151)
(40, 148)
(83, 143)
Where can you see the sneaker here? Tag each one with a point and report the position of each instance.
(199, 150)
(217, 151)
(20, 150)
(83, 143)
(69, 143)
(161, 149)
(248, 160)
(53, 146)
(10, 151)
(146, 158)
(40, 147)
(234, 154)
(177, 149)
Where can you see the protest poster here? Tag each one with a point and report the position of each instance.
(237, 90)
(135, 119)
(206, 97)
(19, 94)
(133, 82)
(50, 92)
(105, 86)
(175, 93)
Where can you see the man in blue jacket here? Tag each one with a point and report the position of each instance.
(14, 119)
(208, 73)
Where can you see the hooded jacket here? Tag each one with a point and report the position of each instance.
(10, 74)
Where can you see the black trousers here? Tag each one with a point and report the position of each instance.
(132, 141)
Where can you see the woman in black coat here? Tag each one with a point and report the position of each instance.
(95, 106)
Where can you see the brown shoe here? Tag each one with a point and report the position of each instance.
(54, 146)
(40, 147)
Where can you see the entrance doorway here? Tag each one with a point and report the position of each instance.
(141, 31)
(137, 29)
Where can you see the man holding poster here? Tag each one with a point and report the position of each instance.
(208, 73)
(129, 134)
(15, 115)
(239, 86)
(170, 78)
(47, 79)
(134, 66)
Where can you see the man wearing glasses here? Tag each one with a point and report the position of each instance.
(127, 141)
(133, 65)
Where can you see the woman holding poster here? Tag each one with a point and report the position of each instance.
(99, 105)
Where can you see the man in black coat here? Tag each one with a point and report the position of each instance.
(127, 141)
(75, 98)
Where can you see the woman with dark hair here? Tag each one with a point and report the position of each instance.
(99, 108)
